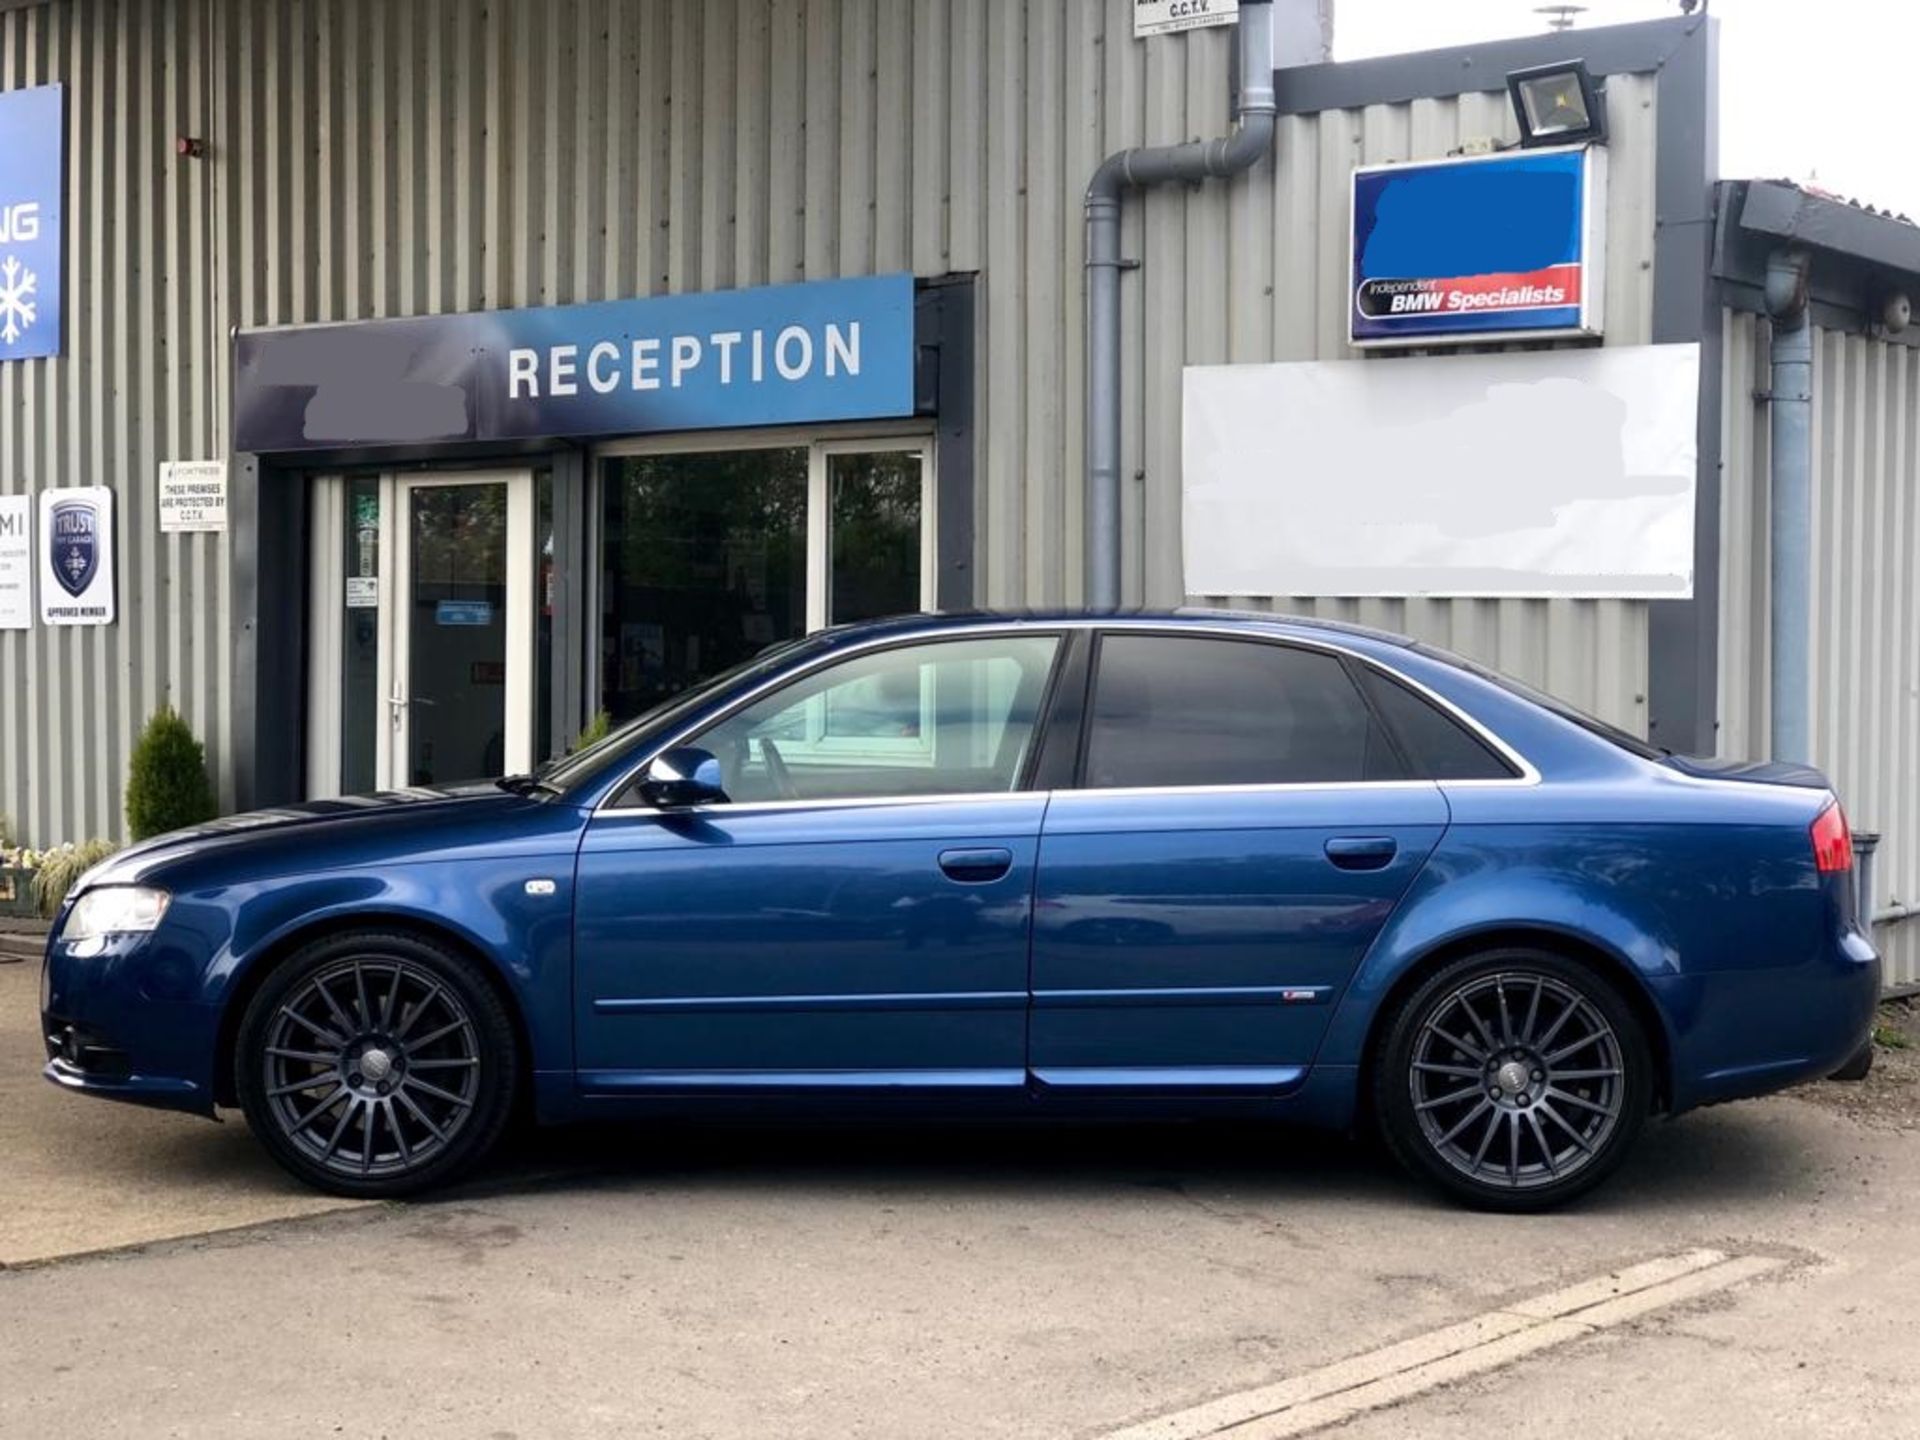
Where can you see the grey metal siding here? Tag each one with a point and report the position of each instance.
(1283, 232)
(138, 382)
(369, 158)
(1866, 621)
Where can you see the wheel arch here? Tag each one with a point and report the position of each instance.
(283, 947)
(1610, 966)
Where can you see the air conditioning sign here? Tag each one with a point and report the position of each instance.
(32, 154)
(1471, 250)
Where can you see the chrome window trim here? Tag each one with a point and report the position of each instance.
(1529, 774)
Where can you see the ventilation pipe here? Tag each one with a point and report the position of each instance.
(1790, 504)
(1139, 168)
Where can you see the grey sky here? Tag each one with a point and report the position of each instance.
(1847, 129)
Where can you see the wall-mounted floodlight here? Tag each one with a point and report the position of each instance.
(1558, 104)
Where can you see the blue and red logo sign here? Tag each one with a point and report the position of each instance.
(1474, 249)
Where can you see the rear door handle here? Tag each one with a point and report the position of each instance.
(1362, 852)
(976, 867)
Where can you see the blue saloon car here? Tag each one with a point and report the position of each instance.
(1195, 863)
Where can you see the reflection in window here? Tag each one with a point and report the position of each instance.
(703, 565)
(952, 717)
(875, 534)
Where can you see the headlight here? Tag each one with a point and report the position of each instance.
(114, 910)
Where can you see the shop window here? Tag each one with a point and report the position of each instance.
(874, 529)
(703, 564)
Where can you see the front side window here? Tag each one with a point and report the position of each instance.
(951, 718)
(1192, 710)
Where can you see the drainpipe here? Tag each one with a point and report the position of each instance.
(1790, 503)
(1139, 168)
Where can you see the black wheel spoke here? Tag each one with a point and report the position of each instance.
(1501, 1116)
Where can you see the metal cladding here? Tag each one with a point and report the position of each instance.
(360, 159)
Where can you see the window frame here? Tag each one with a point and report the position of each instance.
(1352, 663)
(621, 800)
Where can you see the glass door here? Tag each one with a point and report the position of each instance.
(460, 617)
(423, 630)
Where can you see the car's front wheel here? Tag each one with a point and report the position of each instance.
(1514, 1079)
(376, 1063)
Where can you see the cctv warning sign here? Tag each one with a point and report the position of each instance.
(1165, 17)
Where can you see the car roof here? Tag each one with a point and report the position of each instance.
(1183, 617)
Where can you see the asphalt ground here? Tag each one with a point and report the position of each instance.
(163, 1279)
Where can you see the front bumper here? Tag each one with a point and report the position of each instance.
(121, 1019)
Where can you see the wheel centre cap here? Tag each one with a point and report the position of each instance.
(1512, 1077)
(376, 1064)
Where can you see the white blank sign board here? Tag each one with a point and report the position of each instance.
(1545, 473)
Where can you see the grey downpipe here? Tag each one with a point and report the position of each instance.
(1132, 169)
(1790, 506)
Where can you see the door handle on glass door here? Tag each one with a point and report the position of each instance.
(1362, 852)
(976, 867)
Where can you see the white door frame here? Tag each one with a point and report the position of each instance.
(820, 518)
(326, 598)
(396, 559)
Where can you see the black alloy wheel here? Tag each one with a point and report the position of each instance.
(1514, 1080)
(376, 1064)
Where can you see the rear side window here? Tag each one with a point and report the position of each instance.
(1192, 710)
(1438, 746)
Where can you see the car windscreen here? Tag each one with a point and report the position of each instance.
(1592, 724)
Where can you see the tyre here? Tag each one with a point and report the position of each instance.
(1513, 1079)
(376, 1064)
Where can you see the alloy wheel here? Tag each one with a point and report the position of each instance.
(1517, 1080)
(371, 1067)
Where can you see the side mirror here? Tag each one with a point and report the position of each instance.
(685, 775)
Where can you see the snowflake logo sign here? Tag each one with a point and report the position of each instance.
(17, 308)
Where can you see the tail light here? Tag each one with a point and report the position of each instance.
(1832, 841)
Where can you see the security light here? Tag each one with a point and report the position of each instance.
(1558, 104)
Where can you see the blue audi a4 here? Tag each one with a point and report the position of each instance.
(1194, 863)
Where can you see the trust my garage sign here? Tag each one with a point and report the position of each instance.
(32, 135)
(1461, 250)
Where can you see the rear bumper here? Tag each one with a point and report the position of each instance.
(1740, 1033)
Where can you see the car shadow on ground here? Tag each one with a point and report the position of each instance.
(1706, 1159)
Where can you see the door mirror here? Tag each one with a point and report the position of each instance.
(684, 775)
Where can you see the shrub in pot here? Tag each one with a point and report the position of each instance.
(167, 786)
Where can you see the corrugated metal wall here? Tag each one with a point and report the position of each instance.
(139, 381)
(1866, 620)
(370, 158)
(1282, 233)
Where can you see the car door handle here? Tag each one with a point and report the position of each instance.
(1362, 852)
(976, 867)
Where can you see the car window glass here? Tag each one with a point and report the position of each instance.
(948, 718)
(1191, 710)
(1439, 747)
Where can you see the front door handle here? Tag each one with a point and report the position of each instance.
(976, 867)
(1362, 852)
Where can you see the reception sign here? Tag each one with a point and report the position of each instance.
(1477, 249)
(775, 355)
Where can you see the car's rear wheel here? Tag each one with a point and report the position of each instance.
(1513, 1079)
(376, 1063)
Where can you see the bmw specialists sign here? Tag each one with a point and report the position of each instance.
(76, 556)
(32, 162)
(1480, 248)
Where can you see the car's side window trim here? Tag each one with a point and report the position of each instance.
(1356, 677)
(616, 802)
(1525, 774)
(1054, 755)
